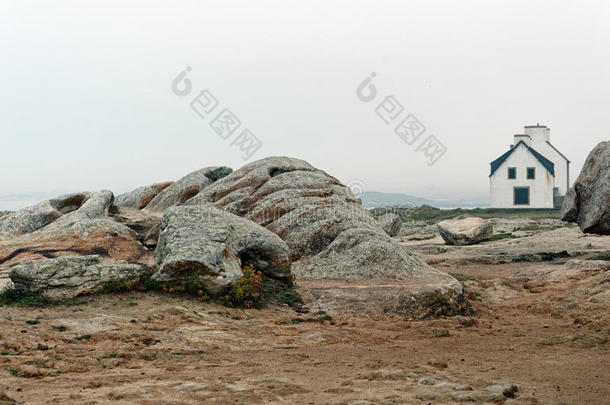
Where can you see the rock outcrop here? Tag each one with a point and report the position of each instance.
(465, 230)
(212, 223)
(82, 227)
(186, 188)
(588, 202)
(330, 235)
(211, 246)
(141, 196)
(390, 223)
(69, 276)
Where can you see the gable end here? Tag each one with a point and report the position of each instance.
(548, 165)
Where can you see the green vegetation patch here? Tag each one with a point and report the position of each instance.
(116, 286)
(21, 298)
(247, 290)
(538, 228)
(501, 236)
(83, 337)
(290, 297)
(433, 215)
(541, 256)
(601, 256)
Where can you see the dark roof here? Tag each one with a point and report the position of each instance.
(560, 154)
(548, 165)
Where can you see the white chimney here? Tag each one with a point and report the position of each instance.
(538, 133)
(522, 137)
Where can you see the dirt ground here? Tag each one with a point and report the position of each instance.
(549, 339)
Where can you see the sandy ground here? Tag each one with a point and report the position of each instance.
(547, 338)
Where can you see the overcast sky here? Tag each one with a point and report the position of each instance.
(87, 103)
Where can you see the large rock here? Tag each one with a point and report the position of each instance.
(330, 235)
(588, 201)
(465, 230)
(70, 276)
(211, 246)
(186, 188)
(362, 253)
(82, 228)
(391, 223)
(141, 196)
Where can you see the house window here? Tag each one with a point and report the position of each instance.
(531, 173)
(522, 196)
(512, 172)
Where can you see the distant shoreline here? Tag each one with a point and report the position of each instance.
(370, 200)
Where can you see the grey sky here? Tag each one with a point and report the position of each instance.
(86, 101)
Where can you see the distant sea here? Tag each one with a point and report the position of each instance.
(13, 204)
(376, 199)
(17, 201)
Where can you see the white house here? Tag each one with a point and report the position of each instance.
(532, 174)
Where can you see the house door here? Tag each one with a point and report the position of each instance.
(522, 196)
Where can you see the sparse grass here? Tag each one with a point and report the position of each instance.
(252, 290)
(83, 337)
(115, 286)
(279, 292)
(191, 287)
(13, 372)
(538, 228)
(524, 258)
(540, 256)
(425, 237)
(324, 317)
(147, 283)
(290, 297)
(151, 285)
(602, 256)
(501, 236)
(474, 295)
(21, 298)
